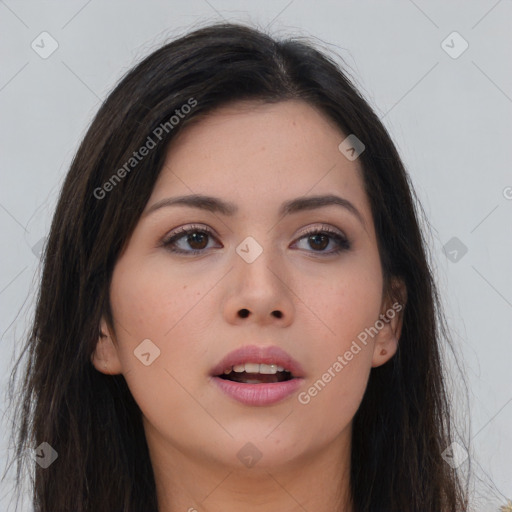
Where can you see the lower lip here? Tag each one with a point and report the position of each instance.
(259, 394)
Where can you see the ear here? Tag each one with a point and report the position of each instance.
(105, 357)
(389, 324)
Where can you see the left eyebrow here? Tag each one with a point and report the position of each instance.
(216, 205)
(314, 202)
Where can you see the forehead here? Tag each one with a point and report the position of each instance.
(261, 153)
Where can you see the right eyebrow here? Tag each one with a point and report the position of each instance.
(209, 203)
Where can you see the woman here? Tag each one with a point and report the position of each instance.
(236, 309)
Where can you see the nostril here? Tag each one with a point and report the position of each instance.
(244, 313)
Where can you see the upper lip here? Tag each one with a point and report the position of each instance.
(259, 354)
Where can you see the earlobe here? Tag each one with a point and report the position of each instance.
(105, 357)
(385, 348)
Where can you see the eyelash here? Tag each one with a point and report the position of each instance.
(341, 241)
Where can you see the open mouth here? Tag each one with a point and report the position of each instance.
(258, 375)
(254, 373)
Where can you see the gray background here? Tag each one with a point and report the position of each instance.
(450, 118)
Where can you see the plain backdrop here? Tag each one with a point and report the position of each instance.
(437, 73)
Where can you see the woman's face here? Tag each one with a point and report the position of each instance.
(253, 275)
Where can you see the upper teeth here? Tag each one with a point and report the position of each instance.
(268, 369)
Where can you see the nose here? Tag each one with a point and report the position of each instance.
(258, 293)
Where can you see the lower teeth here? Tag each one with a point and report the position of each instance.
(247, 378)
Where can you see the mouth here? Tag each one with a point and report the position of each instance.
(256, 375)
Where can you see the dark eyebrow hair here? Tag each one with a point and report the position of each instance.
(216, 205)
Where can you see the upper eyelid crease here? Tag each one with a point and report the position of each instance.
(193, 228)
(216, 205)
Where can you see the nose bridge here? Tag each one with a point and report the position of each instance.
(259, 287)
(259, 264)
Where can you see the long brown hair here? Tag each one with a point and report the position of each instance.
(90, 419)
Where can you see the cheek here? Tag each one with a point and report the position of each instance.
(347, 305)
(157, 303)
(154, 302)
(342, 362)
(348, 301)
(150, 298)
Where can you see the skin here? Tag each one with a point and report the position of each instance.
(256, 156)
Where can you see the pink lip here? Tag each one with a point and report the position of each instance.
(259, 394)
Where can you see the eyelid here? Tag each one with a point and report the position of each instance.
(342, 240)
(181, 230)
(203, 227)
(324, 228)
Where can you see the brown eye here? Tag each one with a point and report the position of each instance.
(188, 240)
(319, 241)
(197, 240)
